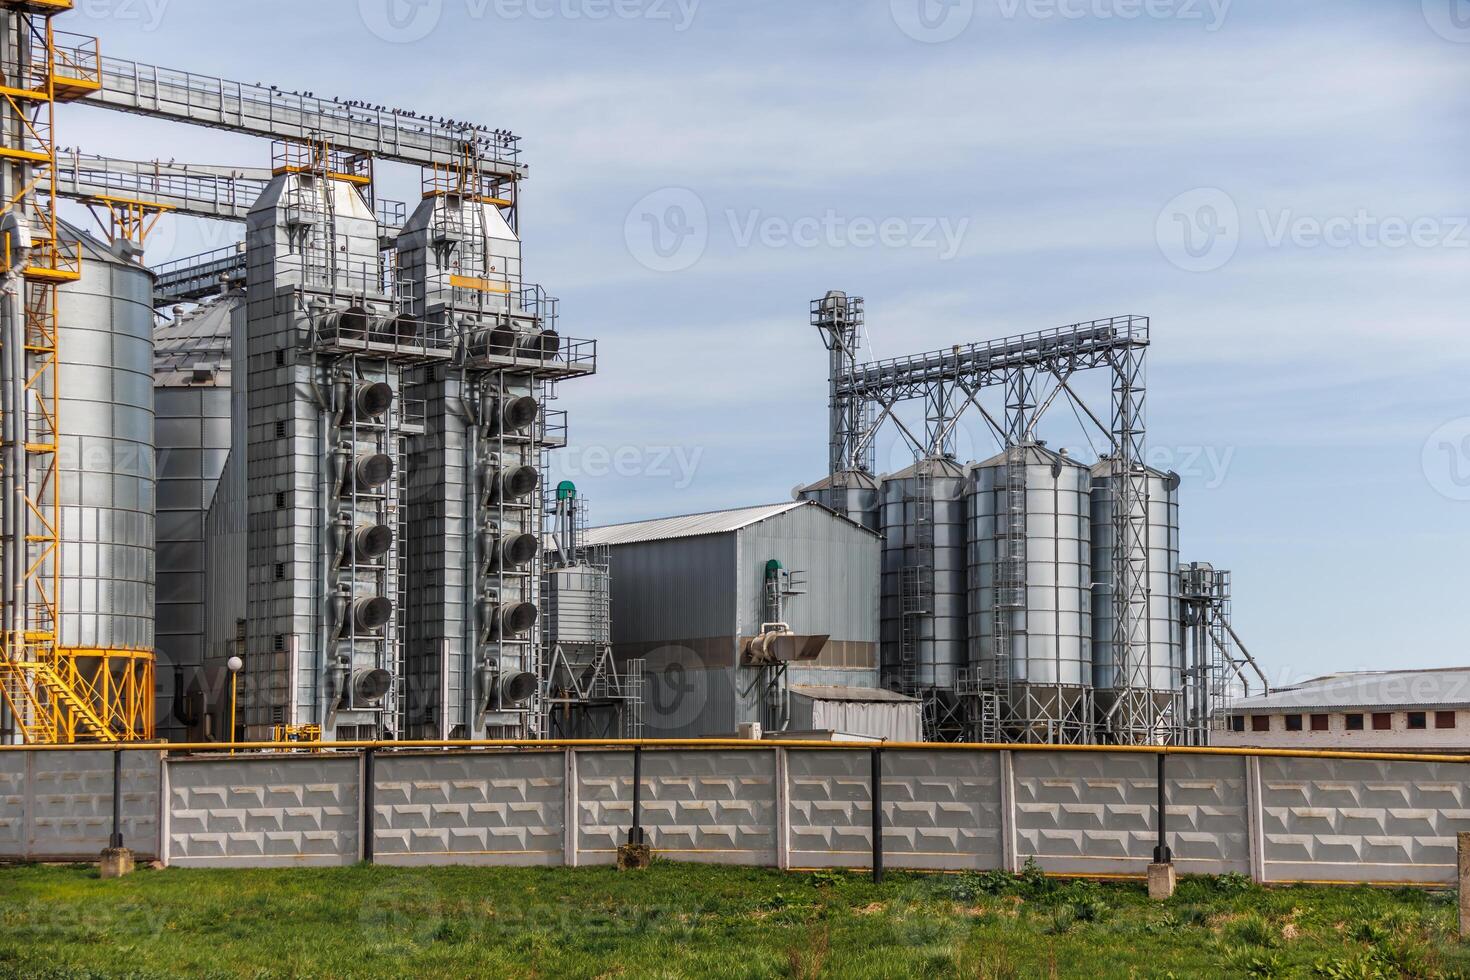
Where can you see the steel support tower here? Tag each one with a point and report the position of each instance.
(1034, 371)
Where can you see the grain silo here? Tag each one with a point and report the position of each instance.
(1030, 607)
(924, 585)
(191, 384)
(1140, 693)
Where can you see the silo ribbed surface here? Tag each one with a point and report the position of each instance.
(1051, 638)
(936, 648)
(1166, 646)
(854, 495)
(192, 404)
(106, 463)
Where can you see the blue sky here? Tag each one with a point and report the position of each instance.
(1281, 187)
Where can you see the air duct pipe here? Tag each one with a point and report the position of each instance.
(362, 543)
(507, 485)
(512, 414)
(368, 471)
(504, 552)
(364, 614)
(503, 620)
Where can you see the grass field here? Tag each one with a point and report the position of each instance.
(695, 921)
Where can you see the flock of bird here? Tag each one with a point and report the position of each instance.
(502, 136)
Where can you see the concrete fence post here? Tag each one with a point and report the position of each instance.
(571, 808)
(1464, 877)
(1009, 841)
(783, 810)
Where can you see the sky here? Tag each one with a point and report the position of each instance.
(1281, 187)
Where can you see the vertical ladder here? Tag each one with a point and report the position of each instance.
(917, 582)
(1008, 617)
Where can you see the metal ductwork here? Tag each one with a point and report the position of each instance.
(371, 470)
(363, 542)
(365, 614)
(370, 685)
(372, 399)
(508, 551)
(497, 341)
(515, 687)
(352, 323)
(550, 344)
(777, 644)
(513, 414)
(499, 620)
(505, 485)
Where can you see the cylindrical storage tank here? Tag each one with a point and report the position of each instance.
(106, 461)
(191, 391)
(1164, 671)
(853, 494)
(1043, 627)
(924, 575)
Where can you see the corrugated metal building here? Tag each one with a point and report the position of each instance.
(689, 592)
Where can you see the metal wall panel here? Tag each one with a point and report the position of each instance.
(57, 806)
(500, 808)
(704, 806)
(1094, 813)
(1345, 820)
(297, 811)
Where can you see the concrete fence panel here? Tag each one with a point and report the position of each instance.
(1361, 821)
(716, 806)
(829, 809)
(503, 808)
(57, 806)
(942, 810)
(238, 812)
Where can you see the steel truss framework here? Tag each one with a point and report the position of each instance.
(1035, 371)
(1219, 664)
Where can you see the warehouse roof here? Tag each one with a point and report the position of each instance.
(875, 695)
(1382, 690)
(696, 525)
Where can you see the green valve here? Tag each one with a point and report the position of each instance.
(773, 568)
(566, 490)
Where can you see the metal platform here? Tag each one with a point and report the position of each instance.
(266, 111)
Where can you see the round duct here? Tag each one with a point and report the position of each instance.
(372, 470)
(372, 399)
(495, 342)
(370, 541)
(511, 551)
(510, 484)
(349, 324)
(401, 329)
(550, 344)
(516, 414)
(371, 613)
(515, 618)
(516, 687)
(370, 685)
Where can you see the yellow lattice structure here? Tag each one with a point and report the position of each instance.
(53, 694)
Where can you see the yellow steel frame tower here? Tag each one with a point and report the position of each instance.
(53, 694)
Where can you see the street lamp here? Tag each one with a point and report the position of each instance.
(236, 665)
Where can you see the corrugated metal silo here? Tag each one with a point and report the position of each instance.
(1030, 583)
(192, 401)
(924, 575)
(106, 460)
(853, 494)
(1165, 668)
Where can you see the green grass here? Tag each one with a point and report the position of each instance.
(697, 921)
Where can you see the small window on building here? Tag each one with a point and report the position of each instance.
(1382, 721)
(1444, 719)
(1319, 723)
(1355, 723)
(1293, 723)
(1237, 723)
(1417, 721)
(1260, 723)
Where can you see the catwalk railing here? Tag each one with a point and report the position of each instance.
(1277, 816)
